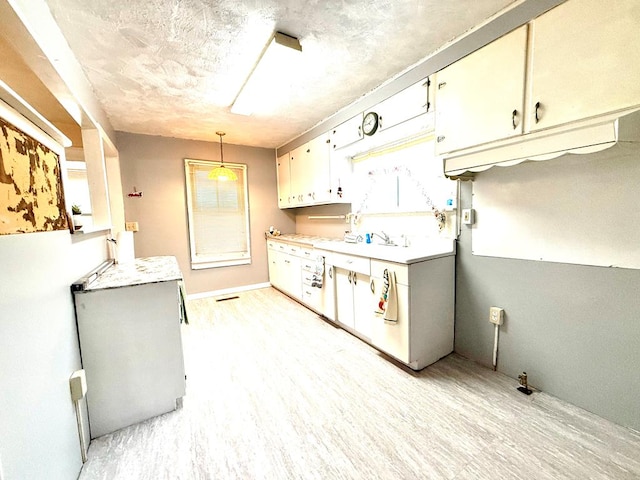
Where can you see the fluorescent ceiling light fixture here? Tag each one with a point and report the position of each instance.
(267, 82)
(222, 173)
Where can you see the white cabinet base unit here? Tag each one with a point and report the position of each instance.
(423, 332)
(354, 298)
(299, 271)
(130, 342)
(352, 285)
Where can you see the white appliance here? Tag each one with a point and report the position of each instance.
(128, 319)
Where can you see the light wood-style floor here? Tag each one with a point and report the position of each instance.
(275, 392)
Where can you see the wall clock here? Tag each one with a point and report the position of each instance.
(370, 123)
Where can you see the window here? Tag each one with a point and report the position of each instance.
(218, 216)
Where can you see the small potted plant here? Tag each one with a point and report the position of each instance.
(77, 216)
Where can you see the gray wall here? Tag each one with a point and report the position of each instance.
(574, 329)
(39, 351)
(155, 166)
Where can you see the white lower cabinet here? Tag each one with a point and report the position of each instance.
(352, 293)
(292, 270)
(284, 268)
(352, 286)
(423, 332)
(392, 338)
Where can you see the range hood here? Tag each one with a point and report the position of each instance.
(616, 131)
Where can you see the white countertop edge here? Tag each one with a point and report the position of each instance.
(439, 247)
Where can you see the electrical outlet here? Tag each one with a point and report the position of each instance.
(131, 226)
(496, 315)
(468, 216)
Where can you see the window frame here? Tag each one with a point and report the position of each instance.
(199, 262)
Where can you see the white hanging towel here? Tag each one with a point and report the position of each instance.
(391, 308)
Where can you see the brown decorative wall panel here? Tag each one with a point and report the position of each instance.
(31, 194)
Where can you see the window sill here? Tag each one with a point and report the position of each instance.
(90, 232)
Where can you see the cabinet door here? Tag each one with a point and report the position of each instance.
(347, 133)
(292, 278)
(284, 179)
(319, 173)
(329, 297)
(585, 62)
(393, 338)
(404, 105)
(344, 297)
(363, 304)
(275, 268)
(298, 174)
(341, 173)
(481, 96)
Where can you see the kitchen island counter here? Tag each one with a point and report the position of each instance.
(137, 272)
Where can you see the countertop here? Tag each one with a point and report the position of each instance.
(138, 272)
(302, 240)
(426, 250)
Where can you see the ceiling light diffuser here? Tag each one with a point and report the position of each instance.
(267, 82)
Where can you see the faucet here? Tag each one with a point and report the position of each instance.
(385, 238)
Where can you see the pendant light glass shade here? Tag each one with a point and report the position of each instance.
(222, 173)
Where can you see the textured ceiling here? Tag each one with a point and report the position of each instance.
(173, 67)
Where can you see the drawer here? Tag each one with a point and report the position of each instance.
(286, 248)
(308, 265)
(401, 271)
(307, 253)
(355, 264)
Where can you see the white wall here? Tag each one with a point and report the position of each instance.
(39, 351)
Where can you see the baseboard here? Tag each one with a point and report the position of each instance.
(227, 291)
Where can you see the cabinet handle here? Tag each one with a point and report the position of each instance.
(428, 84)
(331, 272)
(308, 150)
(373, 286)
(513, 118)
(537, 108)
(441, 85)
(440, 139)
(355, 278)
(349, 277)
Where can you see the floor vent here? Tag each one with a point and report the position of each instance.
(227, 298)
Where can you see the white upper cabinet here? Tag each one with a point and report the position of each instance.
(585, 61)
(307, 171)
(481, 96)
(347, 133)
(284, 180)
(405, 105)
(299, 174)
(319, 188)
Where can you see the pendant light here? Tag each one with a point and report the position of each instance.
(222, 173)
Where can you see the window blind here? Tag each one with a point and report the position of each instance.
(218, 213)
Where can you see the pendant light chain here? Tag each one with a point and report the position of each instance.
(221, 134)
(222, 173)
